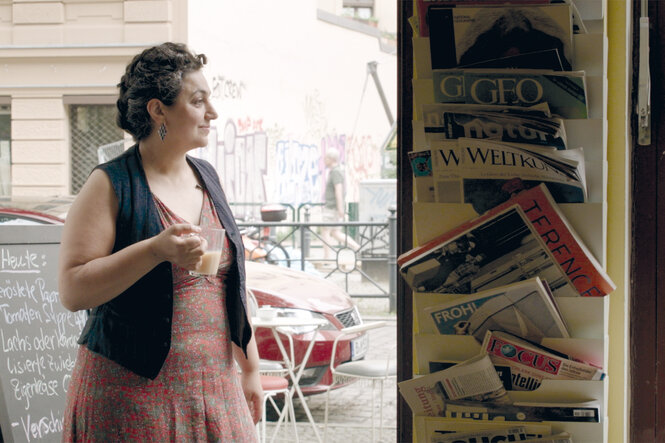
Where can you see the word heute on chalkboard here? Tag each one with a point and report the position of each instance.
(38, 342)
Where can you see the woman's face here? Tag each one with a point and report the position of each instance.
(188, 119)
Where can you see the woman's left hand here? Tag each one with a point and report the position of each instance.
(251, 386)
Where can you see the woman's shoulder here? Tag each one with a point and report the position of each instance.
(200, 162)
(119, 163)
(204, 168)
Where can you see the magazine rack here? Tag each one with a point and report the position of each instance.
(586, 317)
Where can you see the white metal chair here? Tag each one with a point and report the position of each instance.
(274, 385)
(375, 370)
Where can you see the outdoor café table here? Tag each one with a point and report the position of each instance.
(275, 324)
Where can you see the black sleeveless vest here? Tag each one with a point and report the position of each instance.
(134, 328)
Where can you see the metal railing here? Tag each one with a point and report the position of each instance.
(368, 272)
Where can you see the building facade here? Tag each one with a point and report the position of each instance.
(60, 62)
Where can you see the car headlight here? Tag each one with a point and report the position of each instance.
(304, 314)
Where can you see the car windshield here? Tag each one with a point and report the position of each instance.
(13, 219)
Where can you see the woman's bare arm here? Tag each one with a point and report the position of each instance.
(89, 275)
(250, 378)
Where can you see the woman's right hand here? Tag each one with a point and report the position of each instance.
(180, 245)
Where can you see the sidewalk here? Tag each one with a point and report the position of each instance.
(350, 416)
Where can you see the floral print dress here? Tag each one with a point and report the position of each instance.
(197, 395)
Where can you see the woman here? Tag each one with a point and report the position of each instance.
(158, 349)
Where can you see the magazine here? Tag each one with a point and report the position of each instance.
(524, 237)
(530, 363)
(526, 309)
(512, 380)
(563, 437)
(564, 92)
(543, 59)
(486, 173)
(532, 412)
(469, 34)
(423, 6)
(421, 165)
(428, 428)
(517, 433)
(474, 379)
(452, 121)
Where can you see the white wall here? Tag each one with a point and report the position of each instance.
(288, 85)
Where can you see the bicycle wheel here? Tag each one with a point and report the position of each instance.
(276, 254)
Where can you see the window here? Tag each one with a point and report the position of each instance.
(5, 151)
(91, 126)
(359, 9)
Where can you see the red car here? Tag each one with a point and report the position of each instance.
(298, 294)
(292, 293)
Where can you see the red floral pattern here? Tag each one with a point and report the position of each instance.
(196, 396)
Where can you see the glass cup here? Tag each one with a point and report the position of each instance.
(213, 242)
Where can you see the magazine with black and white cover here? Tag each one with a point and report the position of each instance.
(450, 121)
(542, 59)
(531, 363)
(473, 379)
(486, 172)
(524, 237)
(423, 5)
(588, 412)
(469, 34)
(564, 92)
(526, 309)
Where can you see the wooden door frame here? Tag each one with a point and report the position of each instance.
(647, 315)
(404, 209)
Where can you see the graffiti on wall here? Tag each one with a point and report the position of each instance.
(226, 89)
(243, 162)
(249, 124)
(363, 162)
(360, 156)
(298, 172)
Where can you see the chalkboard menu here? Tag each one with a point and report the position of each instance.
(37, 335)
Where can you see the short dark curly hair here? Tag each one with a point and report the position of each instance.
(156, 72)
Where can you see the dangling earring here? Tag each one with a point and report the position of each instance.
(162, 131)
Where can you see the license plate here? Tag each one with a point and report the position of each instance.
(359, 347)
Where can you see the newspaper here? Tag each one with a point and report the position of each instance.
(564, 92)
(523, 237)
(487, 172)
(512, 380)
(530, 363)
(474, 379)
(510, 124)
(526, 309)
